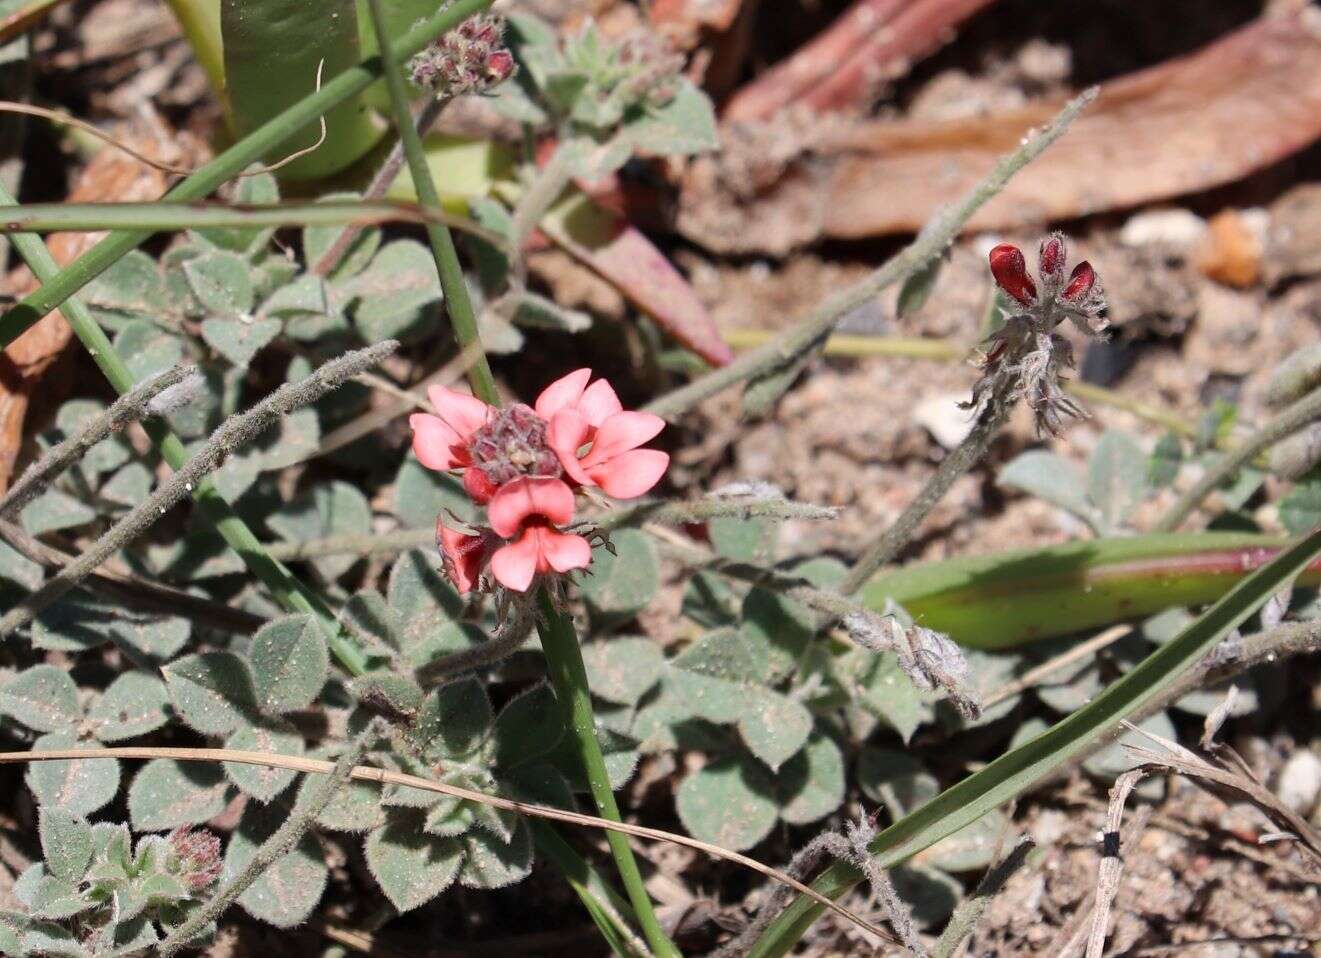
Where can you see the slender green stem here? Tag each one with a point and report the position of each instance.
(568, 676)
(284, 588)
(260, 142)
(457, 302)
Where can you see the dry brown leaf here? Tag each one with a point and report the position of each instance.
(25, 364)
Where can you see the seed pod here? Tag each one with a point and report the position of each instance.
(1297, 455)
(1054, 254)
(1295, 377)
(1010, 271)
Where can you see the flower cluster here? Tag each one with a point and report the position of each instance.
(195, 857)
(1025, 357)
(524, 465)
(469, 59)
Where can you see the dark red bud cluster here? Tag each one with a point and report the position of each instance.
(1010, 271)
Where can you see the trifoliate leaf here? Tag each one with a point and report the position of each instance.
(811, 784)
(54, 510)
(238, 338)
(368, 617)
(1116, 477)
(1053, 478)
(619, 585)
(147, 349)
(166, 794)
(493, 863)
(66, 843)
(421, 598)
(454, 720)
(773, 726)
(248, 190)
(396, 293)
(528, 727)
(422, 495)
(896, 780)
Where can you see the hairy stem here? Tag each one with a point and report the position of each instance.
(568, 676)
(966, 455)
(285, 839)
(457, 301)
(791, 346)
(233, 432)
(1289, 421)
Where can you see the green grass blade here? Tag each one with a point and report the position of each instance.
(260, 142)
(1017, 770)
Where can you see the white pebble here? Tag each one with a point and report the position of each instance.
(1171, 227)
(1299, 784)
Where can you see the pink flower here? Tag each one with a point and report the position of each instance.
(527, 510)
(464, 556)
(592, 416)
(441, 441)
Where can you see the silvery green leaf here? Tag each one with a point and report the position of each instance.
(306, 295)
(512, 102)
(444, 641)
(80, 621)
(917, 288)
(54, 510)
(971, 848)
(895, 779)
(166, 794)
(388, 693)
(773, 726)
(730, 803)
(1165, 462)
(133, 288)
(368, 617)
(290, 663)
(421, 495)
(286, 892)
(681, 127)
(410, 866)
(18, 569)
(222, 283)
(108, 454)
(723, 654)
(397, 293)
(1116, 477)
(492, 863)
(454, 720)
(355, 806)
(128, 487)
(263, 782)
(51, 940)
(618, 585)
(147, 349)
(711, 601)
(11, 930)
(1300, 509)
(707, 697)
(492, 260)
(811, 784)
(79, 787)
(239, 339)
(42, 697)
(421, 598)
(317, 241)
(248, 190)
(55, 898)
(744, 540)
(132, 705)
(66, 843)
(1053, 478)
(537, 312)
(777, 630)
(134, 937)
(929, 892)
(622, 669)
(327, 509)
(528, 727)
(541, 783)
(881, 687)
(213, 692)
(619, 751)
(290, 441)
(407, 796)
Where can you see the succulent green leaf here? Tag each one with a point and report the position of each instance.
(166, 794)
(79, 787)
(493, 863)
(213, 692)
(621, 670)
(623, 583)
(286, 892)
(42, 698)
(410, 866)
(730, 803)
(66, 843)
(290, 663)
(132, 705)
(263, 782)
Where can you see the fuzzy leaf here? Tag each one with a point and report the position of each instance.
(722, 654)
(128, 486)
(54, 510)
(454, 720)
(167, 794)
(108, 454)
(317, 241)
(263, 782)
(388, 693)
(80, 621)
(729, 803)
(329, 509)
(147, 349)
(43, 698)
(882, 688)
(621, 584)
(66, 843)
(79, 787)
(1053, 478)
(444, 641)
(684, 125)
(528, 727)
(621, 670)
(238, 339)
(55, 898)
(1116, 477)
(811, 784)
(368, 616)
(744, 540)
(222, 283)
(355, 806)
(18, 569)
(492, 863)
(777, 630)
(421, 598)
(710, 601)
(261, 188)
(896, 780)
(133, 288)
(213, 691)
(1300, 509)
(421, 495)
(1165, 462)
(1114, 759)
(133, 704)
(397, 293)
(971, 848)
(290, 663)
(773, 726)
(287, 891)
(410, 866)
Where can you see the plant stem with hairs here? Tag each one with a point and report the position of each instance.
(795, 344)
(285, 839)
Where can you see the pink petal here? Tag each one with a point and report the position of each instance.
(567, 432)
(562, 393)
(463, 556)
(529, 496)
(631, 473)
(514, 565)
(599, 402)
(621, 432)
(435, 443)
(562, 551)
(478, 486)
(463, 413)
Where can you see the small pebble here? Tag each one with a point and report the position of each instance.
(1299, 784)
(1171, 227)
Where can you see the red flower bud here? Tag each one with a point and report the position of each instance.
(500, 66)
(1053, 256)
(1010, 272)
(1081, 282)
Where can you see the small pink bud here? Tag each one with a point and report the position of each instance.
(499, 66)
(1054, 253)
(1010, 272)
(1081, 282)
